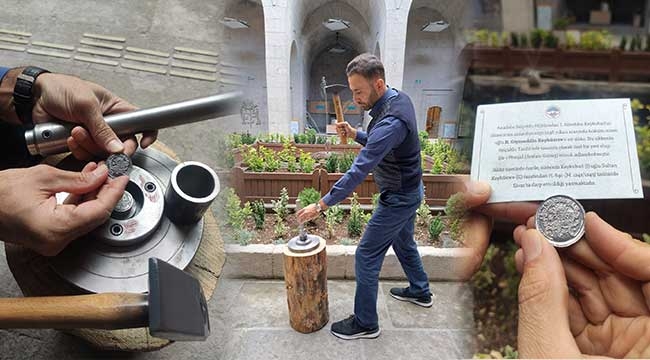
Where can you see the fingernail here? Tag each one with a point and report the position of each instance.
(479, 187)
(115, 146)
(532, 245)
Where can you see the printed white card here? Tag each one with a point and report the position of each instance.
(529, 151)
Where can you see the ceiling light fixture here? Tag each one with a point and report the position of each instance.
(435, 26)
(234, 23)
(336, 24)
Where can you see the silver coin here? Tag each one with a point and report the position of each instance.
(561, 219)
(118, 165)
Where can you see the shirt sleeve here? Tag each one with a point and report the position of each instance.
(3, 72)
(386, 135)
(362, 137)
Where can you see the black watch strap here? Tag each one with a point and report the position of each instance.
(23, 94)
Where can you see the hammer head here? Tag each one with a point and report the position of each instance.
(177, 307)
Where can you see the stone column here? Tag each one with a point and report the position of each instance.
(278, 52)
(397, 13)
(518, 15)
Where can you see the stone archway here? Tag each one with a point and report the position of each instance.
(242, 62)
(431, 60)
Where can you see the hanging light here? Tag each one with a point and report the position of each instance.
(336, 24)
(435, 26)
(234, 23)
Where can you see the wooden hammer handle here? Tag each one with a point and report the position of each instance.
(338, 108)
(98, 311)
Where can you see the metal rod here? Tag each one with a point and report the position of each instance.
(50, 138)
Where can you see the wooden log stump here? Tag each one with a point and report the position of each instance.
(305, 277)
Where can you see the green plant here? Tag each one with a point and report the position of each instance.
(311, 136)
(347, 241)
(280, 229)
(623, 44)
(523, 41)
(481, 37)
(436, 225)
(253, 160)
(494, 39)
(279, 242)
(308, 196)
(646, 238)
(647, 43)
(375, 201)
(236, 214)
(455, 211)
(536, 38)
(423, 213)
(595, 40)
(356, 219)
(307, 162)
(243, 237)
(333, 216)
(446, 159)
(280, 206)
(270, 158)
(259, 213)
(332, 162)
(345, 161)
(571, 41)
(550, 40)
(561, 23)
(514, 40)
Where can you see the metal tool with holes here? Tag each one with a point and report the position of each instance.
(175, 308)
(144, 224)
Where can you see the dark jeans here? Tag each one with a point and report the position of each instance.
(393, 224)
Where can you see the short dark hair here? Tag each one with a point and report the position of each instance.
(367, 65)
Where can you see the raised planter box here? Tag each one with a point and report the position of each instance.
(612, 63)
(251, 186)
(266, 186)
(310, 148)
(265, 262)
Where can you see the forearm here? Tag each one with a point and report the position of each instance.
(7, 109)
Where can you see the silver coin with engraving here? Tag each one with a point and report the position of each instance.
(118, 165)
(561, 219)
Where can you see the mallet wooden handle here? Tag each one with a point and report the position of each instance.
(338, 108)
(98, 311)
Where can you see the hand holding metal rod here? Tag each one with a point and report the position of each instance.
(50, 138)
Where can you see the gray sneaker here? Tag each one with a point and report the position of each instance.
(404, 294)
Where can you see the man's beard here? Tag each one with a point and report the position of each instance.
(374, 96)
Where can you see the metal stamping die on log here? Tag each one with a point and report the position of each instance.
(305, 277)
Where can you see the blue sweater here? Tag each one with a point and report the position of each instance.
(391, 150)
(3, 72)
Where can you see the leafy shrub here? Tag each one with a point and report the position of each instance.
(446, 159)
(523, 41)
(333, 216)
(332, 163)
(423, 213)
(623, 44)
(456, 210)
(307, 162)
(357, 217)
(550, 40)
(280, 206)
(436, 225)
(536, 38)
(514, 40)
(236, 214)
(308, 196)
(280, 230)
(595, 40)
(259, 213)
(345, 161)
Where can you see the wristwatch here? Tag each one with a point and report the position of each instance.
(24, 94)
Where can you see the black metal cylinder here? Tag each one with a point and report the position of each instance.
(192, 188)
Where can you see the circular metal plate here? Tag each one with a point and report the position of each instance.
(298, 246)
(561, 220)
(96, 266)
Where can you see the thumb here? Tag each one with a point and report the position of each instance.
(543, 302)
(103, 135)
(75, 182)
